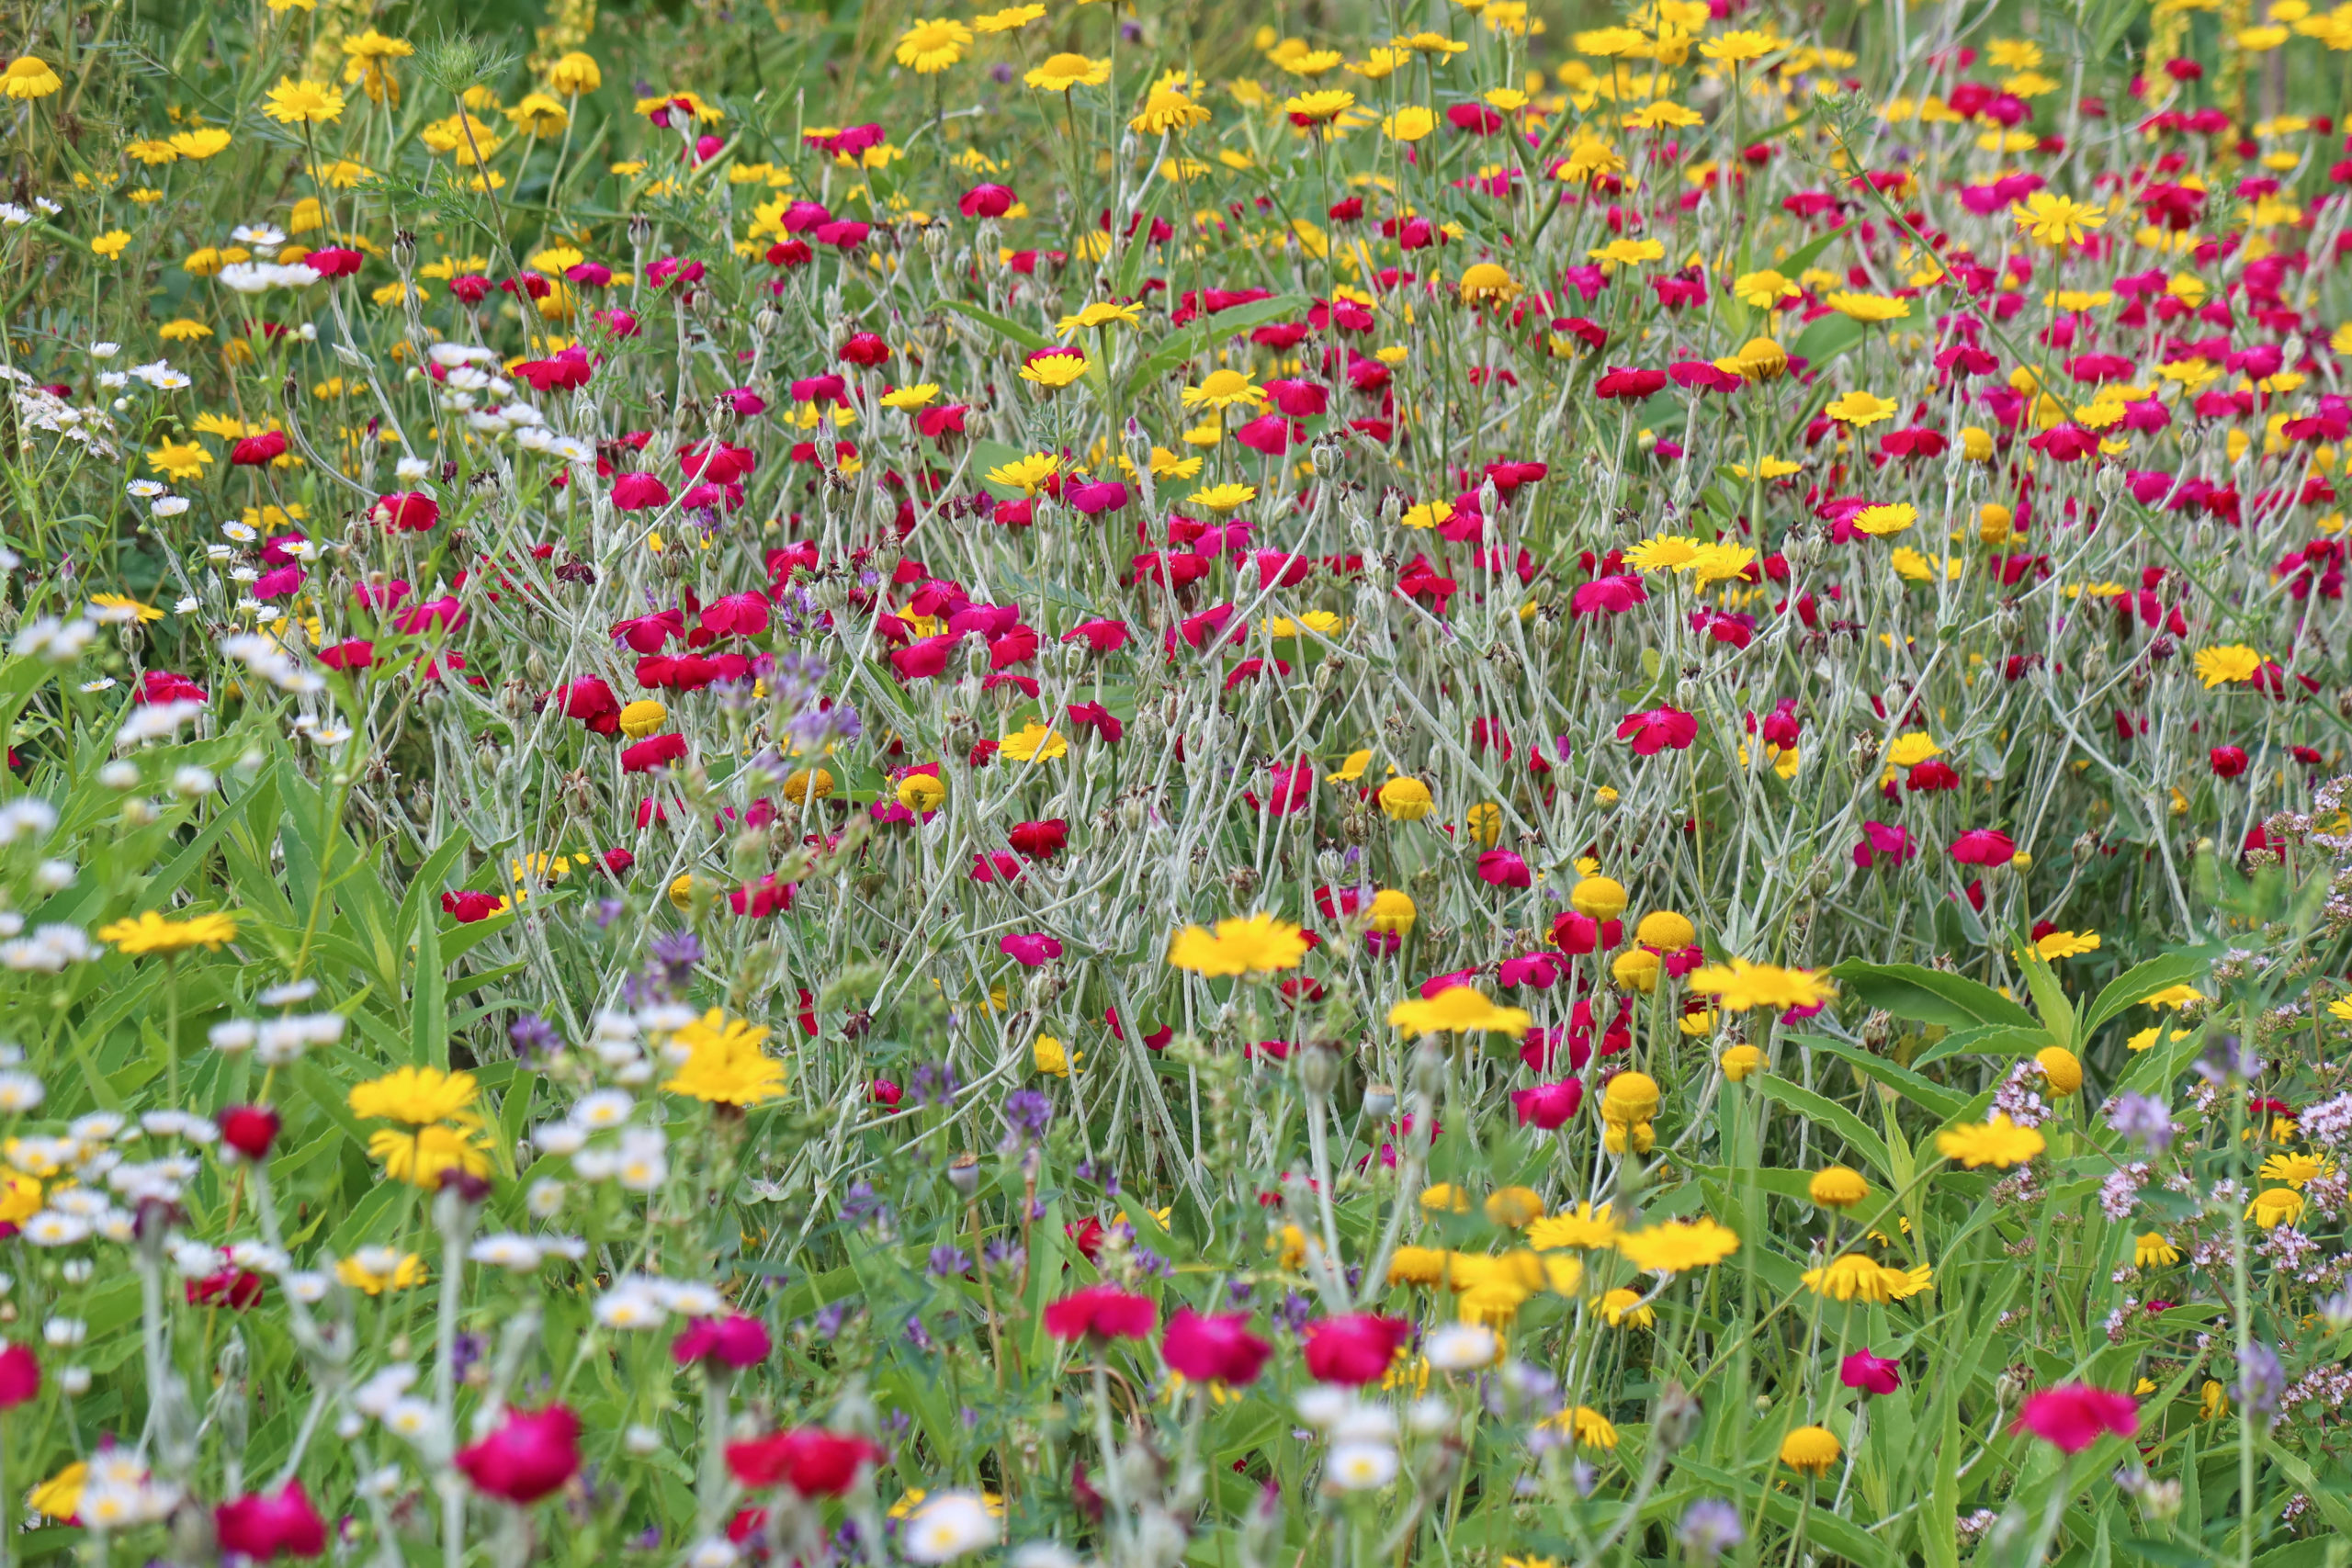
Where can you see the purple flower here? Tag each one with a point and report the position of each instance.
(931, 1083)
(861, 1206)
(814, 729)
(534, 1037)
(2145, 1117)
(948, 1260)
(1710, 1528)
(2262, 1382)
(677, 953)
(1027, 1113)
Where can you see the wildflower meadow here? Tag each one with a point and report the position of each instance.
(1134, 783)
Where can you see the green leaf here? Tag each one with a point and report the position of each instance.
(1827, 1114)
(2049, 998)
(2140, 982)
(1010, 331)
(1931, 995)
(1985, 1040)
(429, 1005)
(1934, 1098)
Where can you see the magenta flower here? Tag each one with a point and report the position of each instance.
(1029, 949)
(1213, 1346)
(1871, 1374)
(2074, 1415)
(1658, 729)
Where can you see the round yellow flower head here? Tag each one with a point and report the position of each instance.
(1392, 911)
(2061, 1068)
(1416, 1266)
(1740, 1062)
(642, 718)
(1622, 1308)
(922, 793)
(1837, 1186)
(1445, 1198)
(1515, 1208)
(1630, 1097)
(1638, 1138)
(1635, 969)
(1665, 930)
(802, 782)
(1483, 283)
(1406, 800)
(1601, 897)
(1810, 1451)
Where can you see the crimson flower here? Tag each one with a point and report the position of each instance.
(1658, 729)
(735, 1340)
(1103, 1310)
(1355, 1348)
(639, 492)
(1040, 839)
(811, 1461)
(1548, 1106)
(534, 1452)
(249, 1129)
(1873, 1374)
(2074, 1415)
(1213, 1346)
(1983, 846)
(260, 1526)
(19, 1376)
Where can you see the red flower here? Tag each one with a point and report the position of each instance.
(1607, 595)
(654, 751)
(865, 349)
(1576, 933)
(236, 1289)
(349, 656)
(1501, 868)
(811, 1461)
(985, 201)
(469, 905)
(1217, 1345)
(1873, 1374)
(1356, 1348)
(591, 701)
(407, 512)
(528, 1457)
(250, 1130)
(1631, 385)
(258, 451)
(1880, 841)
(639, 492)
(1983, 846)
(735, 1340)
(1658, 729)
(1103, 1310)
(19, 1376)
(762, 898)
(2072, 1416)
(1029, 949)
(260, 1527)
(1549, 1105)
(2229, 762)
(1039, 840)
(333, 261)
